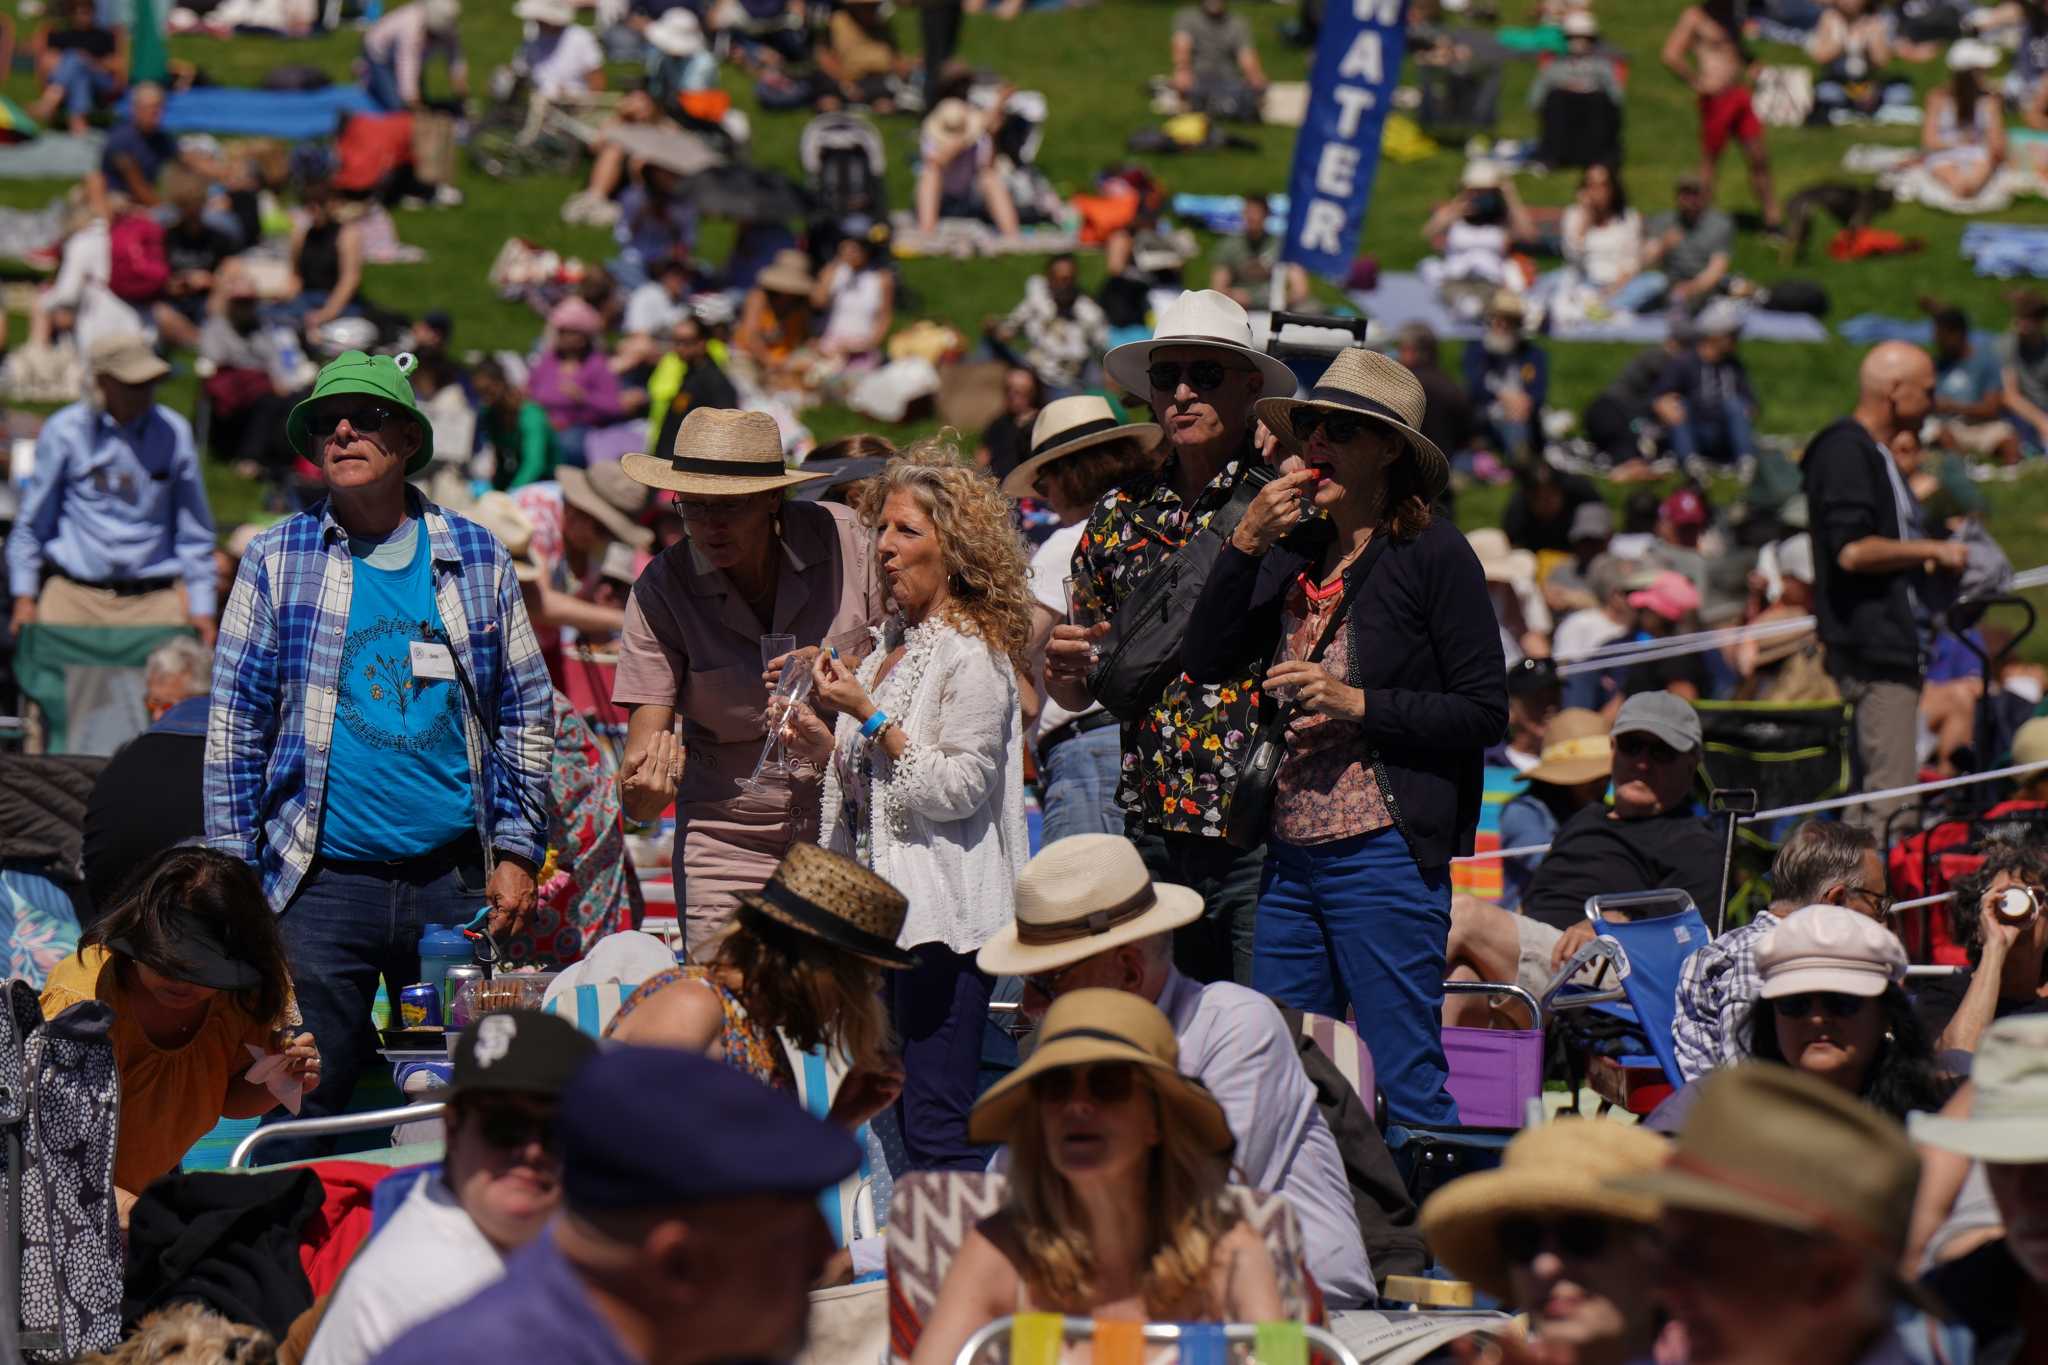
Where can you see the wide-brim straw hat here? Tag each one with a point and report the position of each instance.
(1083, 895)
(1199, 317)
(1499, 561)
(1576, 748)
(1558, 1170)
(837, 901)
(1364, 383)
(788, 273)
(720, 453)
(497, 513)
(1092, 1026)
(1068, 426)
(604, 491)
(676, 34)
(2008, 1119)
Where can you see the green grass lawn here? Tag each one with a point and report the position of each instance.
(1091, 65)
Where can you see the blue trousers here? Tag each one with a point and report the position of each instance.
(1724, 436)
(380, 79)
(939, 1009)
(1080, 777)
(1355, 924)
(348, 926)
(84, 81)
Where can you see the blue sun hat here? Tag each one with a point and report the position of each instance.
(373, 376)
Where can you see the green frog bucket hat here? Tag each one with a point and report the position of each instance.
(381, 377)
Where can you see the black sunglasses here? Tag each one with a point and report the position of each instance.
(368, 419)
(1834, 1004)
(1338, 428)
(1524, 1239)
(1106, 1083)
(1203, 376)
(1047, 984)
(510, 1130)
(1643, 746)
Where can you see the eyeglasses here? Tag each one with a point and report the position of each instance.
(1834, 1004)
(1879, 901)
(1579, 1239)
(1047, 984)
(368, 419)
(511, 1130)
(1644, 746)
(1203, 376)
(721, 511)
(1338, 428)
(1105, 1082)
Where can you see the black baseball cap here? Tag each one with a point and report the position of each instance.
(1531, 676)
(526, 1052)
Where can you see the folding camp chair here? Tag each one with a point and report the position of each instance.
(1644, 938)
(1494, 1074)
(977, 1351)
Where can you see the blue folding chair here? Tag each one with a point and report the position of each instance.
(1644, 939)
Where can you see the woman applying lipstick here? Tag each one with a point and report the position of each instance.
(1378, 787)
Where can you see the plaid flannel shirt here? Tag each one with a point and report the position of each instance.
(277, 662)
(1716, 988)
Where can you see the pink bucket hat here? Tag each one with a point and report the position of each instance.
(574, 315)
(1829, 948)
(1671, 595)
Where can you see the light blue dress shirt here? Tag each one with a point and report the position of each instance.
(109, 502)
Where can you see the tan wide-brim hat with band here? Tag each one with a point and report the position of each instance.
(2008, 1119)
(720, 453)
(1576, 748)
(497, 513)
(1068, 426)
(1087, 1027)
(605, 493)
(1199, 317)
(1080, 896)
(1555, 1171)
(835, 900)
(1364, 383)
(788, 273)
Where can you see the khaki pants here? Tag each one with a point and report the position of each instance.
(1887, 744)
(65, 603)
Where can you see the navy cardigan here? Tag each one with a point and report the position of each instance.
(1424, 647)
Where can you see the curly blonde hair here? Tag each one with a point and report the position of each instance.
(984, 554)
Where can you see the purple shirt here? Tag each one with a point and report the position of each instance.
(539, 1311)
(586, 395)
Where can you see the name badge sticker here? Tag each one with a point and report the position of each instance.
(430, 660)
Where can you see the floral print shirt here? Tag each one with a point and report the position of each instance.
(1326, 788)
(1182, 758)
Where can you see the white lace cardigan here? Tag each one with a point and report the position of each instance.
(946, 820)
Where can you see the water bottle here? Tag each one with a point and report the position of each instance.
(441, 949)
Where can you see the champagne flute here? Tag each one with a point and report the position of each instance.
(771, 773)
(774, 647)
(1083, 611)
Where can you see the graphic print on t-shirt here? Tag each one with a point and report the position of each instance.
(383, 705)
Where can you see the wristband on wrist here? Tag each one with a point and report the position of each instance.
(872, 726)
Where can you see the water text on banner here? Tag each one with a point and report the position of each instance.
(1336, 155)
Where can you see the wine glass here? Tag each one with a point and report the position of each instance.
(774, 647)
(1083, 611)
(771, 771)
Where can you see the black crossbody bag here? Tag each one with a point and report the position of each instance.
(1141, 653)
(1251, 797)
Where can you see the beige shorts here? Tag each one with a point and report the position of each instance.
(1978, 438)
(1538, 942)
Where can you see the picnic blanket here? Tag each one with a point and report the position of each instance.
(288, 114)
(52, 156)
(1868, 329)
(965, 237)
(1404, 296)
(2006, 251)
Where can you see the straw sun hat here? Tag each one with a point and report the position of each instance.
(836, 900)
(1558, 1170)
(788, 273)
(1092, 1026)
(1576, 748)
(604, 493)
(1080, 896)
(1364, 383)
(720, 453)
(1068, 426)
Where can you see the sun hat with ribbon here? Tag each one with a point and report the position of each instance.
(2008, 1119)
(1080, 896)
(788, 273)
(1364, 383)
(1558, 1170)
(1828, 948)
(1087, 1027)
(835, 900)
(676, 34)
(720, 453)
(1576, 748)
(1199, 317)
(381, 377)
(1068, 426)
(608, 494)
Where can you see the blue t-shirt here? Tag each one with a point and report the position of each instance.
(150, 150)
(1970, 379)
(398, 774)
(539, 1311)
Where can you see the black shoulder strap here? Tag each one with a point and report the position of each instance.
(1352, 584)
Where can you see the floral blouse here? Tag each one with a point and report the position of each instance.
(1326, 789)
(748, 1048)
(1182, 757)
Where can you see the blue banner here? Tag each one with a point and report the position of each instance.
(1358, 59)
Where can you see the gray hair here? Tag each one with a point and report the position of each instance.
(183, 657)
(1817, 856)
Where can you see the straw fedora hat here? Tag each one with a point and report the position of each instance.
(1576, 748)
(2008, 1120)
(720, 453)
(788, 273)
(1199, 317)
(1090, 1026)
(1068, 426)
(1080, 896)
(950, 123)
(498, 514)
(605, 492)
(1556, 1170)
(1500, 561)
(1367, 384)
(835, 900)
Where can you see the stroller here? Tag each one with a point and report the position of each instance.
(845, 164)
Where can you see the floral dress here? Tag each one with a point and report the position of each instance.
(749, 1048)
(1326, 788)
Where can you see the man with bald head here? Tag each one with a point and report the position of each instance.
(1872, 558)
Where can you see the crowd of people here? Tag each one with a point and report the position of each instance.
(1058, 814)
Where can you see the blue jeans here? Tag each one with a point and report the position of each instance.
(1641, 292)
(1080, 785)
(1218, 946)
(84, 81)
(380, 80)
(1724, 436)
(349, 925)
(1355, 924)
